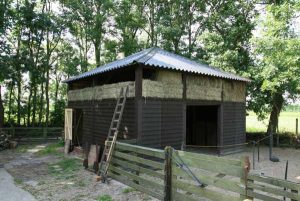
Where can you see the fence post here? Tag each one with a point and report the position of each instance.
(245, 163)
(13, 132)
(45, 130)
(168, 174)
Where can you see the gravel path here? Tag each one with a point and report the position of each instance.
(9, 191)
(31, 173)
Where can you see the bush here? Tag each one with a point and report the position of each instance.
(284, 139)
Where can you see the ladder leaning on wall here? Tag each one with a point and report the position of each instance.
(112, 134)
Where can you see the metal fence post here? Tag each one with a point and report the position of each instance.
(168, 174)
(296, 126)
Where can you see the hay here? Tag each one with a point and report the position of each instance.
(169, 77)
(156, 89)
(110, 91)
(234, 91)
(168, 84)
(203, 88)
(208, 88)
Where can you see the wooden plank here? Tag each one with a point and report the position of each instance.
(209, 158)
(139, 160)
(203, 192)
(223, 183)
(134, 177)
(141, 150)
(261, 196)
(126, 164)
(211, 165)
(275, 191)
(182, 197)
(128, 182)
(275, 181)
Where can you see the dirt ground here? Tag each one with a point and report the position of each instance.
(274, 169)
(48, 177)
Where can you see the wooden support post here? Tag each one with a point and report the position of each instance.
(138, 101)
(168, 174)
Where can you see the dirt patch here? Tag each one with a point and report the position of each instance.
(59, 177)
(274, 169)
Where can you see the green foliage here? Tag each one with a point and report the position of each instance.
(277, 53)
(128, 190)
(57, 114)
(65, 168)
(104, 198)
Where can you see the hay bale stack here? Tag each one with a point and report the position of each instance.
(109, 91)
(203, 88)
(234, 91)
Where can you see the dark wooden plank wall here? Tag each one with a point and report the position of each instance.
(151, 124)
(97, 117)
(162, 122)
(172, 123)
(234, 126)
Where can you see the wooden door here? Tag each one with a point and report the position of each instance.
(68, 123)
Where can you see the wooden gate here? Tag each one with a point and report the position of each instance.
(68, 124)
(179, 175)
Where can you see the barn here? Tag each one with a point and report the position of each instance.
(172, 101)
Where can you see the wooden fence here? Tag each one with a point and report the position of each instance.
(34, 133)
(175, 175)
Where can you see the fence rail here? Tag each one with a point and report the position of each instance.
(34, 133)
(175, 175)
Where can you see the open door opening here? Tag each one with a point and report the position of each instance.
(77, 128)
(202, 127)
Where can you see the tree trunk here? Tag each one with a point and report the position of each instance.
(277, 104)
(1, 111)
(10, 102)
(29, 106)
(34, 102)
(47, 95)
(41, 102)
(97, 52)
(19, 86)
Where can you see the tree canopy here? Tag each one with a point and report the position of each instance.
(46, 41)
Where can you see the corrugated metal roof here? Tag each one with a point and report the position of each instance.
(159, 58)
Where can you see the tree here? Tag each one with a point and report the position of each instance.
(226, 41)
(276, 76)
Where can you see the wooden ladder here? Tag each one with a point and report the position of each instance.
(112, 134)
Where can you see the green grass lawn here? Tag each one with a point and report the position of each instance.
(287, 122)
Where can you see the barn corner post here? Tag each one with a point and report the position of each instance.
(168, 174)
(138, 101)
(183, 143)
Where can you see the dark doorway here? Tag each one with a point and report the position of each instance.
(77, 127)
(202, 125)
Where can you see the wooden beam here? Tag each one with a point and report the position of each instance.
(138, 101)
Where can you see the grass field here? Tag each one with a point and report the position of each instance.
(287, 122)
